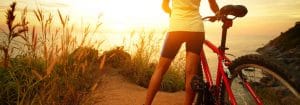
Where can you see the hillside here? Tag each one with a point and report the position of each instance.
(286, 49)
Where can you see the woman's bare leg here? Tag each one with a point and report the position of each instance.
(192, 63)
(154, 85)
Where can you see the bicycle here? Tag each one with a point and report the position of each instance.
(249, 79)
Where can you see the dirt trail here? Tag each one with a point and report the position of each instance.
(116, 90)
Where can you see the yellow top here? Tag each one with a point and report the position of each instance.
(185, 16)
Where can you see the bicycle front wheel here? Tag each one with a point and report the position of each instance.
(266, 78)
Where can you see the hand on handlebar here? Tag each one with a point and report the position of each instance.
(218, 14)
(211, 18)
(228, 10)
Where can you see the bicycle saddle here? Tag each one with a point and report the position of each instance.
(235, 10)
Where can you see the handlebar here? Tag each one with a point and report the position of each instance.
(211, 18)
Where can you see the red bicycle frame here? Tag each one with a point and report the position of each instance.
(220, 73)
(223, 61)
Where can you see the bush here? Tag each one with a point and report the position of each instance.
(83, 73)
(46, 73)
(172, 81)
(117, 58)
(83, 54)
(18, 82)
(26, 80)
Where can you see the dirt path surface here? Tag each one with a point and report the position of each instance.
(116, 90)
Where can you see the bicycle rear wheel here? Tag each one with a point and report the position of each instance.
(267, 79)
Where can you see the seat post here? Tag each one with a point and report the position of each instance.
(227, 23)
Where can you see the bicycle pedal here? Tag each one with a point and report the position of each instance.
(197, 83)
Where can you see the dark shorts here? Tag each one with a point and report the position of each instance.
(173, 41)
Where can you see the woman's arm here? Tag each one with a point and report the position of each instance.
(213, 6)
(165, 6)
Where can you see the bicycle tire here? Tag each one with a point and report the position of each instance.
(271, 84)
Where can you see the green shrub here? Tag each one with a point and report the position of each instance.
(83, 54)
(82, 73)
(117, 58)
(46, 73)
(18, 83)
(172, 81)
(26, 80)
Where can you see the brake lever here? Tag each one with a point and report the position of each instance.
(211, 18)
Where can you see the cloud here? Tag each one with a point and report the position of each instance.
(53, 5)
(44, 3)
(31, 4)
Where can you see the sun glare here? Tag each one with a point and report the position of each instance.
(85, 8)
(120, 14)
(123, 15)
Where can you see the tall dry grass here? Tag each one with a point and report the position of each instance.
(15, 30)
(144, 60)
(53, 66)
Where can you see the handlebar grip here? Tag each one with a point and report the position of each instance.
(211, 18)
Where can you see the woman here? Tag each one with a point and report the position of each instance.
(185, 26)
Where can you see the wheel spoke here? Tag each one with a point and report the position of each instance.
(272, 88)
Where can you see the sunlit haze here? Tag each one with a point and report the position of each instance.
(265, 17)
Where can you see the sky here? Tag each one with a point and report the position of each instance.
(265, 17)
(265, 20)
